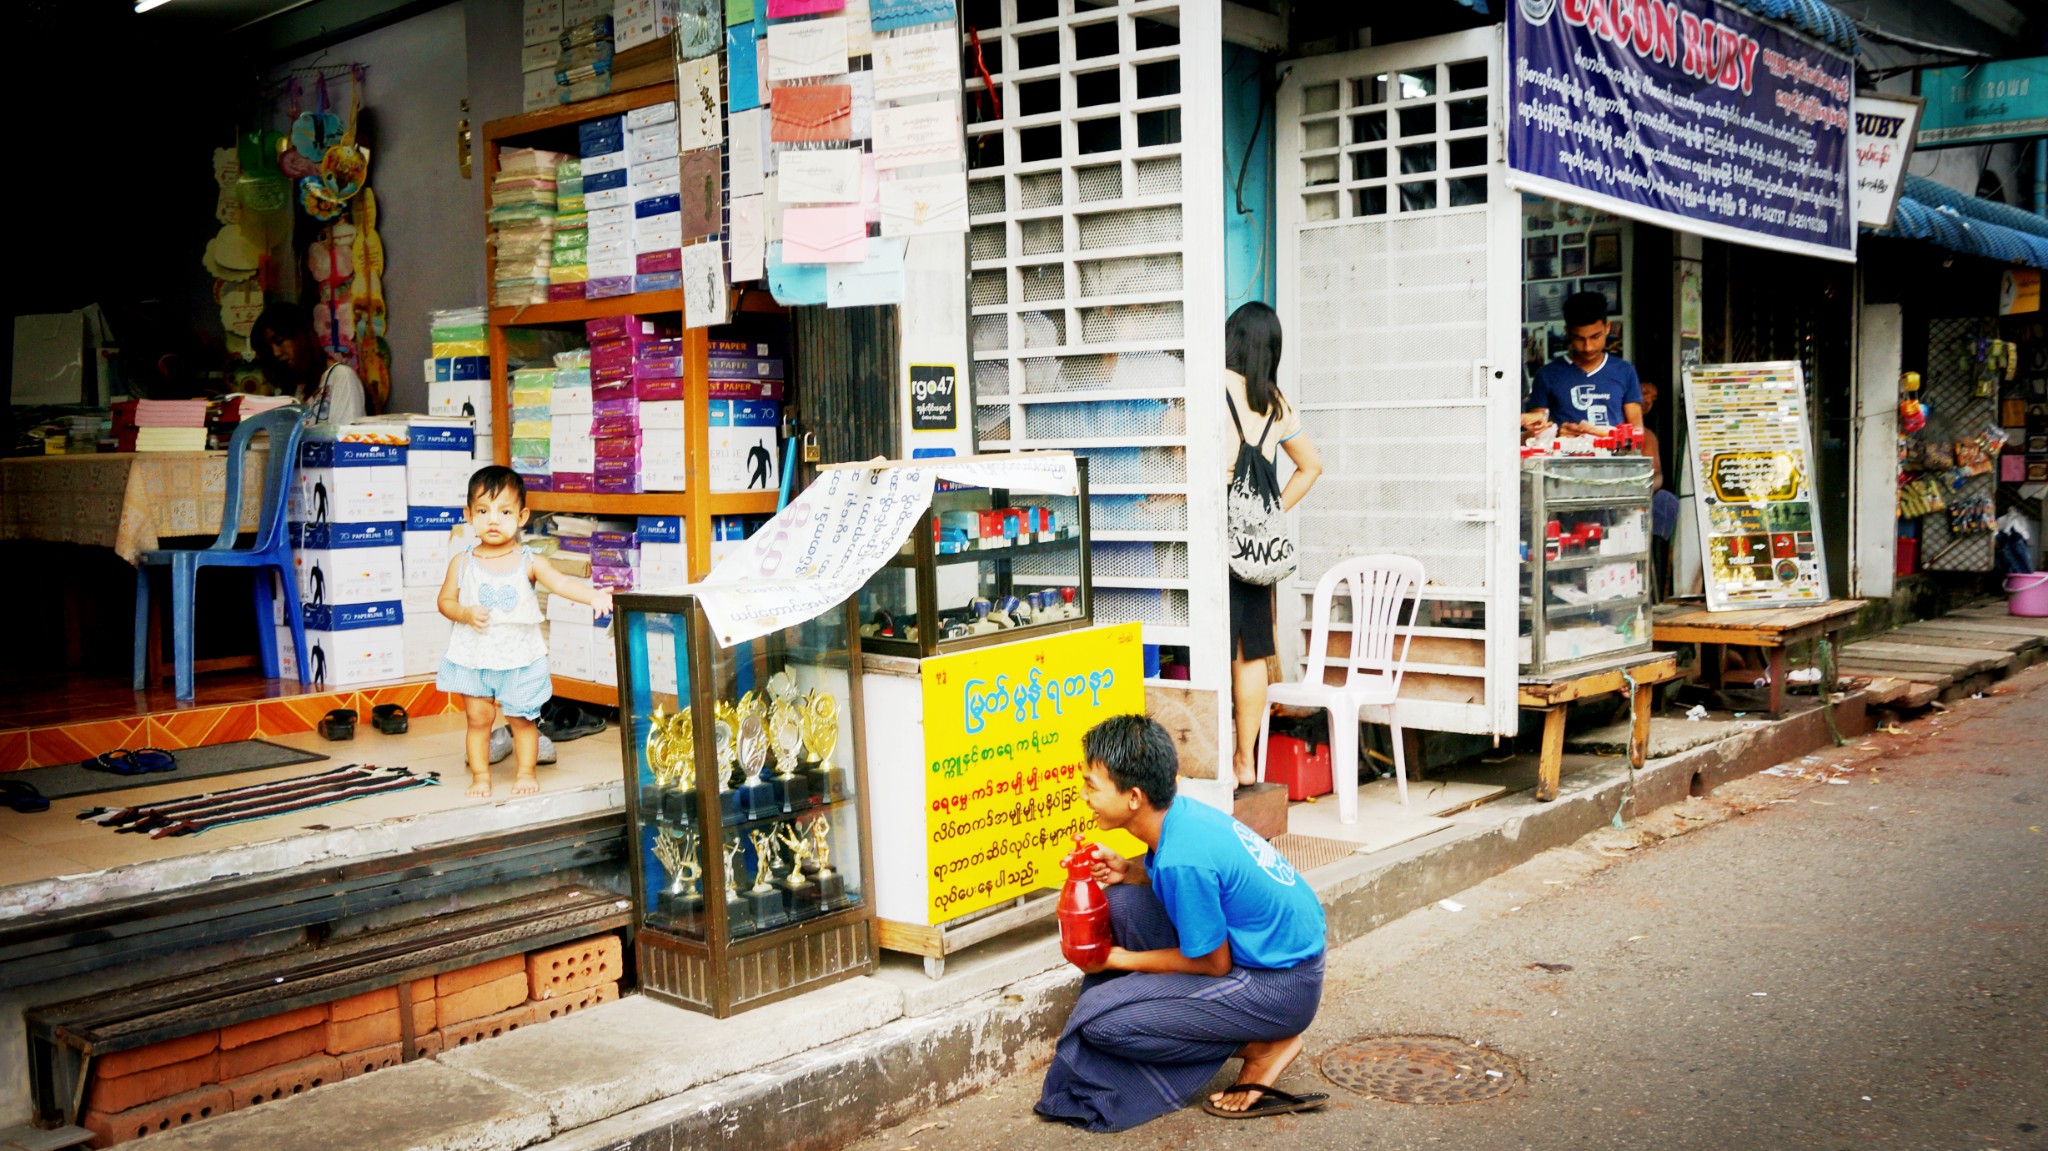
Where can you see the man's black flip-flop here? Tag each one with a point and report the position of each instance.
(22, 797)
(1271, 1101)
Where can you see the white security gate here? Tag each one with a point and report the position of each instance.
(1399, 291)
(1095, 198)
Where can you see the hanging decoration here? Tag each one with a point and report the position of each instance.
(373, 355)
(330, 260)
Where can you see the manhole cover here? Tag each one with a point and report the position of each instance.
(1421, 1069)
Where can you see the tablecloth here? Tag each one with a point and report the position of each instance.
(127, 501)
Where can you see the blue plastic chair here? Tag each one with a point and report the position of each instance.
(272, 549)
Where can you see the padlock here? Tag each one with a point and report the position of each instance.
(810, 448)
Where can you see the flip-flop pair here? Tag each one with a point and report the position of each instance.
(139, 761)
(22, 797)
(1271, 1101)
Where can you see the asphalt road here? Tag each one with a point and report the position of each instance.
(1853, 958)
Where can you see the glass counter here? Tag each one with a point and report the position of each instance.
(1585, 560)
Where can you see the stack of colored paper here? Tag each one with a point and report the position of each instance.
(572, 234)
(531, 430)
(160, 426)
(522, 219)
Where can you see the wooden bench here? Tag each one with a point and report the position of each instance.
(1771, 629)
(1553, 694)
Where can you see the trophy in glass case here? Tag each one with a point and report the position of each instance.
(739, 914)
(757, 795)
(725, 736)
(766, 902)
(785, 730)
(830, 884)
(803, 894)
(682, 901)
(819, 720)
(672, 753)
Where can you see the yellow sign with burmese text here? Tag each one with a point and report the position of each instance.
(1003, 730)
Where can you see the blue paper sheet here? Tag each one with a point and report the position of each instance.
(742, 69)
(794, 284)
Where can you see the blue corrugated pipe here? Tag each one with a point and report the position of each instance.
(788, 470)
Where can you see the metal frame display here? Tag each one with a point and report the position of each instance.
(1551, 487)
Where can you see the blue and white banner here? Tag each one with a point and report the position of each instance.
(1687, 114)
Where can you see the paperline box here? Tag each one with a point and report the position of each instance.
(727, 532)
(662, 416)
(659, 530)
(572, 648)
(455, 398)
(651, 208)
(575, 456)
(424, 632)
(743, 446)
(441, 438)
(354, 616)
(340, 658)
(661, 655)
(349, 454)
(348, 575)
(575, 12)
(666, 168)
(349, 495)
(604, 653)
(330, 536)
(439, 479)
(542, 21)
(426, 554)
(573, 401)
(442, 369)
(534, 57)
(636, 22)
(664, 565)
(604, 181)
(426, 519)
(664, 467)
(539, 89)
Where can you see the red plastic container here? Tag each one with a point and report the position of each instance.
(1306, 774)
(1083, 910)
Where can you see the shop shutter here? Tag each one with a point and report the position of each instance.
(1399, 292)
(1095, 198)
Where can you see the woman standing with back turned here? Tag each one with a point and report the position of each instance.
(1262, 417)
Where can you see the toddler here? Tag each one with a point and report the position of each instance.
(496, 656)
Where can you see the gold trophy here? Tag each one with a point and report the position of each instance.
(682, 902)
(756, 796)
(785, 727)
(725, 733)
(770, 908)
(674, 757)
(830, 884)
(739, 913)
(659, 765)
(820, 723)
(803, 894)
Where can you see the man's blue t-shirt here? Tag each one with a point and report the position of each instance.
(1574, 397)
(1218, 879)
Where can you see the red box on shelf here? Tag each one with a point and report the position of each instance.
(1288, 761)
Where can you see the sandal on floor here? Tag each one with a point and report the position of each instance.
(1271, 1101)
(562, 720)
(152, 759)
(338, 725)
(22, 797)
(390, 719)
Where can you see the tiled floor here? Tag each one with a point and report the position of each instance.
(56, 843)
(67, 720)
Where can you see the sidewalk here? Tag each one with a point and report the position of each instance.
(824, 1069)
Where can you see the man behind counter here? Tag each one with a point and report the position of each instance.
(1590, 391)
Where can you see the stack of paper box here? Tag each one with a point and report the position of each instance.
(745, 415)
(347, 512)
(572, 234)
(584, 69)
(160, 425)
(664, 552)
(540, 53)
(459, 371)
(635, 363)
(608, 206)
(655, 181)
(522, 220)
(575, 453)
(637, 22)
(533, 425)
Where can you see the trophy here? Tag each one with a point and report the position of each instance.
(682, 902)
(769, 907)
(756, 796)
(785, 728)
(739, 914)
(724, 739)
(819, 720)
(803, 894)
(830, 884)
(679, 790)
(658, 762)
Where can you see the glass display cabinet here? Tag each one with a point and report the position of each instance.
(745, 796)
(1585, 560)
(979, 569)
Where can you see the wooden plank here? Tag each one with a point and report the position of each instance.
(1595, 683)
(1986, 627)
(1942, 637)
(2035, 624)
(1898, 671)
(1884, 689)
(910, 938)
(1963, 659)
(1550, 765)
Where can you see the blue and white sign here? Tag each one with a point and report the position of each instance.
(1688, 114)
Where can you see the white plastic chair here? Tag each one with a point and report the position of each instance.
(1379, 586)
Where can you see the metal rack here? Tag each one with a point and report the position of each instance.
(1605, 488)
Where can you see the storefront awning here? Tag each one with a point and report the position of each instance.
(1812, 17)
(1941, 215)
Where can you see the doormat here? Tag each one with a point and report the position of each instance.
(193, 814)
(1308, 852)
(193, 763)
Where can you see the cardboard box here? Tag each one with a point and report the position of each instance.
(424, 632)
(745, 451)
(360, 649)
(425, 555)
(349, 575)
(572, 648)
(349, 483)
(637, 22)
(439, 479)
(664, 564)
(456, 398)
(604, 656)
(542, 21)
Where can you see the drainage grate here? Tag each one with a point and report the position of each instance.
(1421, 1069)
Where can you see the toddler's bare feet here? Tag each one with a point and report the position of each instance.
(479, 784)
(525, 783)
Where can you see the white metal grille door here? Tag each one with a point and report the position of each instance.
(1402, 342)
(1096, 253)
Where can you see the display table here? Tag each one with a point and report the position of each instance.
(1772, 629)
(1637, 674)
(127, 501)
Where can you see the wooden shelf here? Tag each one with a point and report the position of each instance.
(579, 311)
(584, 691)
(570, 115)
(744, 503)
